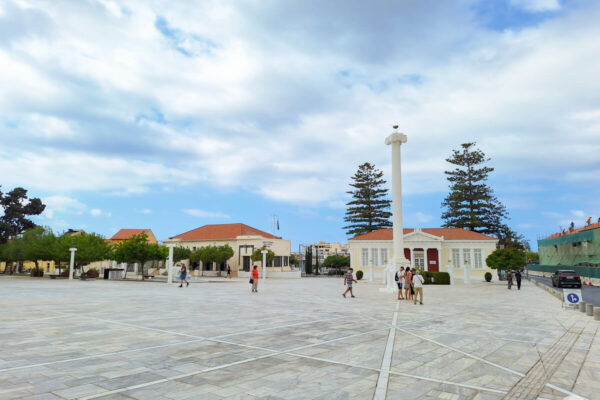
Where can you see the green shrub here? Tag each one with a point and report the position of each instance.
(427, 277)
(92, 273)
(36, 272)
(440, 278)
(359, 275)
(488, 276)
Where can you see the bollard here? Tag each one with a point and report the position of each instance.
(589, 309)
(582, 306)
(597, 313)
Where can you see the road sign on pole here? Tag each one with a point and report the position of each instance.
(572, 296)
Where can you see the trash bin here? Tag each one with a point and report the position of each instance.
(106, 272)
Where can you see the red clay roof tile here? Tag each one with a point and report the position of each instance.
(447, 233)
(125, 234)
(222, 231)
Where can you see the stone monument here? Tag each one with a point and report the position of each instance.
(398, 260)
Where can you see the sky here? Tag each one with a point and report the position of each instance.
(173, 115)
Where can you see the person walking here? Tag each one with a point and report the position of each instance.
(183, 276)
(399, 281)
(254, 279)
(228, 272)
(518, 278)
(407, 284)
(509, 277)
(418, 282)
(348, 279)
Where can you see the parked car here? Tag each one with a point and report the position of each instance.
(566, 277)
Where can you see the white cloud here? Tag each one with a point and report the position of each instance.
(62, 205)
(205, 214)
(146, 211)
(292, 117)
(96, 212)
(537, 5)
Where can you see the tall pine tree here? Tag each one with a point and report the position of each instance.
(369, 209)
(471, 203)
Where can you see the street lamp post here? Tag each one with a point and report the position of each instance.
(72, 263)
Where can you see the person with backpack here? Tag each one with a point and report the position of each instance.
(399, 277)
(418, 282)
(183, 276)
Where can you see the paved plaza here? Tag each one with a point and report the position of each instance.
(293, 340)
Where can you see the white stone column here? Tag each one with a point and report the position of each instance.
(395, 140)
(72, 263)
(426, 260)
(171, 244)
(412, 257)
(264, 262)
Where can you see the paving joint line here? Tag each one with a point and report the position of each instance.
(386, 361)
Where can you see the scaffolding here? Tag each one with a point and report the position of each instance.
(572, 249)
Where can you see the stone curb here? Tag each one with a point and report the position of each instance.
(588, 309)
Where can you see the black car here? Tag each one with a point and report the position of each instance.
(566, 277)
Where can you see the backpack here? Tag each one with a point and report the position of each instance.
(396, 276)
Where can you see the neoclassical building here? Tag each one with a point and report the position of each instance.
(243, 239)
(432, 249)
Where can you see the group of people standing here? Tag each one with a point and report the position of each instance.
(509, 278)
(411, 282)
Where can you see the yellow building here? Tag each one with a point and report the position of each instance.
(452, 250)
(125, 234)
(47, 266)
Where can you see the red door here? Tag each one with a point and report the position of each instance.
(433, 260)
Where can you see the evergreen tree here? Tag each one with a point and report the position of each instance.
(369, 209)
(308, 261)
(471, 203)
(16, 208)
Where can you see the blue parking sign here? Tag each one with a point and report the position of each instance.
(572, 296)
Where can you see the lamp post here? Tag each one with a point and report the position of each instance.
(467, 275)
(72, 263)
(264, 262)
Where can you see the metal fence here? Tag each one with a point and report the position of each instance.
(586, 272)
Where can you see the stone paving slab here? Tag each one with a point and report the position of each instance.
(295, 339)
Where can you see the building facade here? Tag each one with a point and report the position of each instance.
(243, 239)
(575, 247)
(451, 250)
(125, 234)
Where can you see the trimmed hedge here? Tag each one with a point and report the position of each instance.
(359, 275)
(37, 272)
(436, 278)
(488, 276)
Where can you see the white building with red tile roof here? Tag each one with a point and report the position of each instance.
(243, 239)
(452, 250)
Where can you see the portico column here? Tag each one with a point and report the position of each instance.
(426, 260)
(412, 257)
